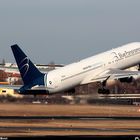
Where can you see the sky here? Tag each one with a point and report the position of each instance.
(65, 31)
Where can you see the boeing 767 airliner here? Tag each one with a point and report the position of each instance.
(101, 68)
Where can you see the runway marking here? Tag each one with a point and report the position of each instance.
(68, 129)
(70, 117)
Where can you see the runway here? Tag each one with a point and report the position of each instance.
(37, 127)
(65, 120)
(67, 129)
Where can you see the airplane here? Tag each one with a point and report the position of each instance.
(103, 67)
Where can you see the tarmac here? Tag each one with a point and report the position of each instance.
(22, 120)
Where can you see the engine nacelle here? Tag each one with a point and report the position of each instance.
(110, 82)
(136, 77)
(126, 80)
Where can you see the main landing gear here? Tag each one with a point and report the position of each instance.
(104, 90)
(139, 67)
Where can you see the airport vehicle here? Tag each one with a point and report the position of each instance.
(9, 92)
(103, 67)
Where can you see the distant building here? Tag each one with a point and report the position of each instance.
(12, 74)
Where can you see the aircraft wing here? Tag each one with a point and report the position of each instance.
(110, 74)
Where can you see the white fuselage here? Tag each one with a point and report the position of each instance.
(74, 74)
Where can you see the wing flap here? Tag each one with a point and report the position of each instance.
(111, 73)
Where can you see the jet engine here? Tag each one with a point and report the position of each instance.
(110, 82)
(126, 80)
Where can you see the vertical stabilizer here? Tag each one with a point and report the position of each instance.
(28, 70)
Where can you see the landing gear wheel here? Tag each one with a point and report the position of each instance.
(103, 91)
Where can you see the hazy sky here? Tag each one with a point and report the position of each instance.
(64, 31)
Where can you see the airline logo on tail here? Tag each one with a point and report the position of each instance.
(31, 76)
(24, 66)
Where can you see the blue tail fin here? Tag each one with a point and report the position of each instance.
(28, 70)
